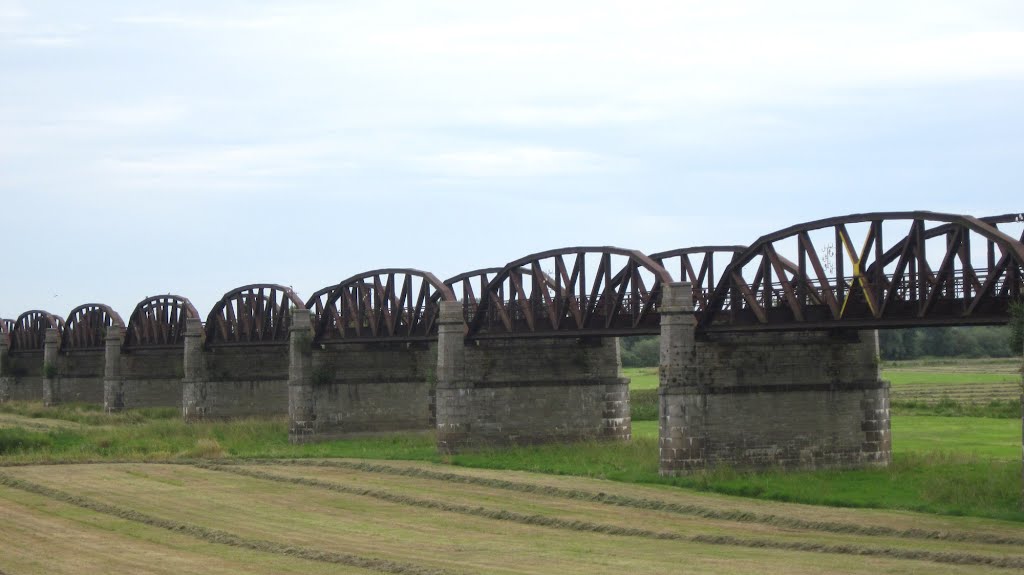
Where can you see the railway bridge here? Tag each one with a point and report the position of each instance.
(769, 352)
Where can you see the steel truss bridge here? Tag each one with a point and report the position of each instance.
(859, 271)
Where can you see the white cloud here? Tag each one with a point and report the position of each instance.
(670, 55)
(558, 116)
(45, 41)
(656, 113)
(136, 115)
(241, 167)
(21, 28)
(197, 22)
(514, 162)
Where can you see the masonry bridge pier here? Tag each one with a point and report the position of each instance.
(769, 352)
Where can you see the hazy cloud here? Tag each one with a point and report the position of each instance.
(653, 125)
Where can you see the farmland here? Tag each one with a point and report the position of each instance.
(142, 492)
(966, 382)
(353, 516)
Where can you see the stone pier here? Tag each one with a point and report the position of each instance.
(51, 375)
(148, 378)
(231, 380)
(113, 384)
(338, 390)
(193, 383)
(302, 416)
(496, 392)
(5, 378)
(21, 375)
(756, 400)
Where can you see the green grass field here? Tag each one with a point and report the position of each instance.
(901, 377)
(928, 450)
(980, 437)
(963, 472)
(642, 377)
(352, 516)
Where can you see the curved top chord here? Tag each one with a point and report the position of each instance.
(394, 304)
(700, 273)
(462, 284)
(317, 302)
(930, 274)
(994, 221)
(159, 321)
(616, 292)
(256, 314)
(87, 325)
(29, 331)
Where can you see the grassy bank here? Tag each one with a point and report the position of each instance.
(958, 466)
(975, 471)
(151, 436)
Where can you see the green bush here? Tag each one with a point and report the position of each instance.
(643, 404)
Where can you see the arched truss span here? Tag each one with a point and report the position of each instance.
(29, 330)
(876, 270)
(87, 325)
(318, 302)
(697, 265)
(467, 286)
(159, 321)
(393, 304)
(596, 291)
(257, 314)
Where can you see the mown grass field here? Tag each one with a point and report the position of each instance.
(352, 516)
(142, 492)
(980, 387)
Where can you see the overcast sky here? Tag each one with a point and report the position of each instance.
(171, 147)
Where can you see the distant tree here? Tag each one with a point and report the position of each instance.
(976, 341)
(640, 351)
(1016, 339)
(899, 343)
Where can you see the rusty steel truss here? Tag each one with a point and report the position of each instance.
(936, 269)
(257, 314)
(394, 304)
(697, 266)
(159, 321)
(29, 330)
(470, 286)
(563, 296)
(872, 282)
(466, 286)
(87, 325)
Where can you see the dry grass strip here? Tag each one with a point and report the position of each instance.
(586, 526)
(654, 504)
(222, 537)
